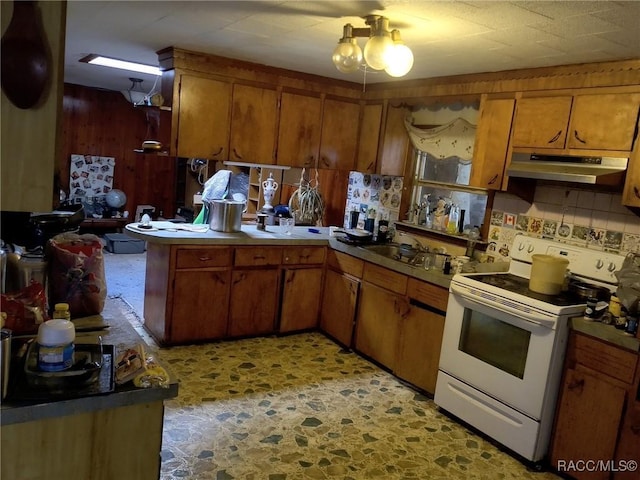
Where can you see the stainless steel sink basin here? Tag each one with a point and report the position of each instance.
(394, 251)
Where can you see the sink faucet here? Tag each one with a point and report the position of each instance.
(413, 241)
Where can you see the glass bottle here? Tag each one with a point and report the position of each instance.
(452, 223)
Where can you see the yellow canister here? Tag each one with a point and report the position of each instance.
(547, 274)
(615, 307)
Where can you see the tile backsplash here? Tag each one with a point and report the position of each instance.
(586, 218)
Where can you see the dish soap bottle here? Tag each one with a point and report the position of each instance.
(452, 223)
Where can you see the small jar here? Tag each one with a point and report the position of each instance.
(55, 345)
(590, 310)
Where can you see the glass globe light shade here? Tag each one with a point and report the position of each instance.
(400, 61)
(347, 56)
(377, 51)
(116, 198)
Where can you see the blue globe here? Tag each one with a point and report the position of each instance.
(116, 198)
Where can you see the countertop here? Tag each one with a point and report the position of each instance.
(605, 332)
(120, 333)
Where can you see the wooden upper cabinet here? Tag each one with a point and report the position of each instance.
(492, 143)
(203, 118)
(580, 122)
(631, 193)
(254, 116)
(367, 154)
(394, 145)
(299, 130)
(604, 122)
(541, 122)
(339, 134)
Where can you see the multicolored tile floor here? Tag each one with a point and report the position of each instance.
(301, 407)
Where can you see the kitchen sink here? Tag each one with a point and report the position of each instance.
(394, 251)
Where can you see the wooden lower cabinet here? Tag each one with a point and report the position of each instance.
(254, 302)
(338, 310)
(378, 324)
(200, 310)
(186, 292)
(300, 300)
(419, 346)
(122, 442)
(598, 414)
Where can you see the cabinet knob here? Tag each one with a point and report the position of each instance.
(493, 179)
(235, 152)
(286, 259)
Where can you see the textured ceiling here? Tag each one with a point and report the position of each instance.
(447, 37)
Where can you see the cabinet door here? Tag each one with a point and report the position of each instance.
(254, 302)
(541, 122)
(604, 122)
(629, 439)
(378, 323)
(631, 193)
(492, 143)
(253, 124)
(339, 300)
(419, 350)
(587, 421)
(203, 122)
(366, 158)
(301, 289)
(200, 305)
(394, 145)
(339, 134)
(299, 132)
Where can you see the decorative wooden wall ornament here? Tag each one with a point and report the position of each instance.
(26, 56)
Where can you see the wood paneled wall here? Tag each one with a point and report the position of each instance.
(102, 122)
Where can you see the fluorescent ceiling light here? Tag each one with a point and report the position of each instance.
(121, 64)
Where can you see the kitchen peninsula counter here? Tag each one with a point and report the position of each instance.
(113, 435)
(301, 236)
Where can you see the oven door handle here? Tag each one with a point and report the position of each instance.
(456, 290)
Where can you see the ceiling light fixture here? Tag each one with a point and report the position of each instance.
(135, 94)
(121, 64)
(384, 50)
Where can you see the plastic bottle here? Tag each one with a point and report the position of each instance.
(61, 310)
(454, 216)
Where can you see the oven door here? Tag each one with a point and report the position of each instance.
(499, 353)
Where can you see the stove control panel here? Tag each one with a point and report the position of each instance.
(584, 262)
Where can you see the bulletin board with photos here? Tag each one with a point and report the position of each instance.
(90, 176)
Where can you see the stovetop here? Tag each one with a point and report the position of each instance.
(520, 286)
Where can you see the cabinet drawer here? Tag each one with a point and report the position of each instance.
(345, 263)
(203, 257)
(428, 293)
(257, 256)
(303, 255)
(388, 279)
(601, 357)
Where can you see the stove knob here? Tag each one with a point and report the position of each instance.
(530, 249)
(599, 264)
(520, 246)
(611, 267)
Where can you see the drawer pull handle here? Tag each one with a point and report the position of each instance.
(493, 179)
(235, 152)
(259, 257)
(215, 154)
(575, 134)
(205, 259)
(557, 136)
(576, 384)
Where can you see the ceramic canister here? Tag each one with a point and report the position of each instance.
(55, 345)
